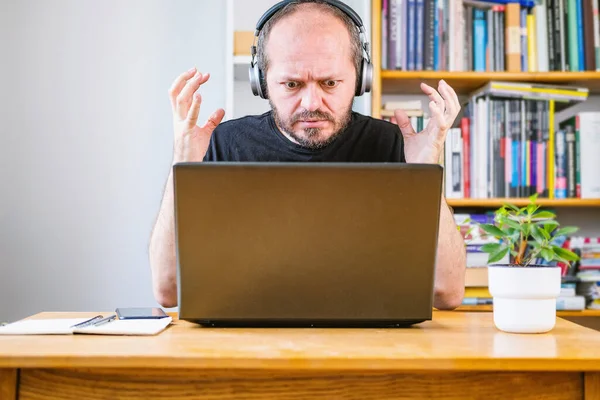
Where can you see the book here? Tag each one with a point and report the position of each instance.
(69, 326)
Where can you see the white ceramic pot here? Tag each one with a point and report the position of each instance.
(524, 297)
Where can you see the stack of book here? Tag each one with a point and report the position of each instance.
(509, 145)
(493, 35)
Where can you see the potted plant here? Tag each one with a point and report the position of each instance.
(524, 292)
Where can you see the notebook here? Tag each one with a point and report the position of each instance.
(68, 326)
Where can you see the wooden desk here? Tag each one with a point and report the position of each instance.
(458, 355)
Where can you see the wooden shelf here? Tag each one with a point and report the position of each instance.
(561, 313)
(494, 203)
(464, 83)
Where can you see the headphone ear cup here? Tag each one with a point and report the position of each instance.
(365, 80)
(257, 83)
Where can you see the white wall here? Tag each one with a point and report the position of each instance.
(86, 142)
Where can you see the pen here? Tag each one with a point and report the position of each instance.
(88, 322)
(105, 320)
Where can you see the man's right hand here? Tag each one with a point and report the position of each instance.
(191, 141)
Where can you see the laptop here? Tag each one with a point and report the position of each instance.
(306, 244)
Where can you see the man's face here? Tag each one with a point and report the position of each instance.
(311, 79)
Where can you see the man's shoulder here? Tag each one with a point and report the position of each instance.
(241, 124)
(367, 123)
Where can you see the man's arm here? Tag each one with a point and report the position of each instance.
(425, 147)
(449, 287)
(190, 144)
(162, 250)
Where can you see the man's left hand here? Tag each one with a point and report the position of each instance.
(427, 146)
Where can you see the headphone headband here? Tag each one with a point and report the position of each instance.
(365, 73)
(342, 6)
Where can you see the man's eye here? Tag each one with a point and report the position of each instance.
(291, 85)
(330, 83)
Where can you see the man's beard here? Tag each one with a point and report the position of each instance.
(311, 138)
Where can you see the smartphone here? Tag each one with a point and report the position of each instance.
(140, 313)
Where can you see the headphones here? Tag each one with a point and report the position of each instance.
(257, 82)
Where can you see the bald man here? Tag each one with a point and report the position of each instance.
(310, 54)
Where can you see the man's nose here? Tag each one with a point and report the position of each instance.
(311, 98)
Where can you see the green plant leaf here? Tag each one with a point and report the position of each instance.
(490, 247)
(544, 215)
(565, 254)
(533, 198)
(537, 233)
(492, 230)
(512, 223)
(548, 225)
(498, 255)
(512, 207)
(567, 230)
(548, 254)
(532, 208)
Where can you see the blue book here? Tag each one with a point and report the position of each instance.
(476, 3)
(514, 179)
(479, 40)
(580, 37)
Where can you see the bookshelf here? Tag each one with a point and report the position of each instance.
(466, 82)
(494, 203)
(407, 83)
(391, 85)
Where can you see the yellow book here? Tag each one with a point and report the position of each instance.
(481, 292)
(531, 44)
(550, 166)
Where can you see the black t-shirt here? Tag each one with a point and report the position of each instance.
(256, 138)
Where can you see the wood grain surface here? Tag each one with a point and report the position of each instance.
(453, 341)
(592, 386)
(8, 384)
(257, 385)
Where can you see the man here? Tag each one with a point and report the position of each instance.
(310, 54)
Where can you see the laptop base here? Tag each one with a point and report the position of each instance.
(249, 323)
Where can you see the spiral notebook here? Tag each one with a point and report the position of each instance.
(68, 326)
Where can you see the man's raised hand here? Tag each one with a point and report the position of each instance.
(190, 141)
(427, 145)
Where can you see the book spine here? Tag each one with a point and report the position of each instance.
(541, 35)
(578, 157)
(411, 41)
(589, 126)
(588, 35)
(572, 35)
(420, 29)
(403, 18)
(501, 38)
(580, 43)
(392, 34)
(479, 40)
(428, 50)
(513, 38)
(524, 41)
(551, 36)
(464, 126)
(436, 35)
(384, 33)
(561, 165)
(532, 53)
(570, 140)
(560, 35)
(596, 20)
